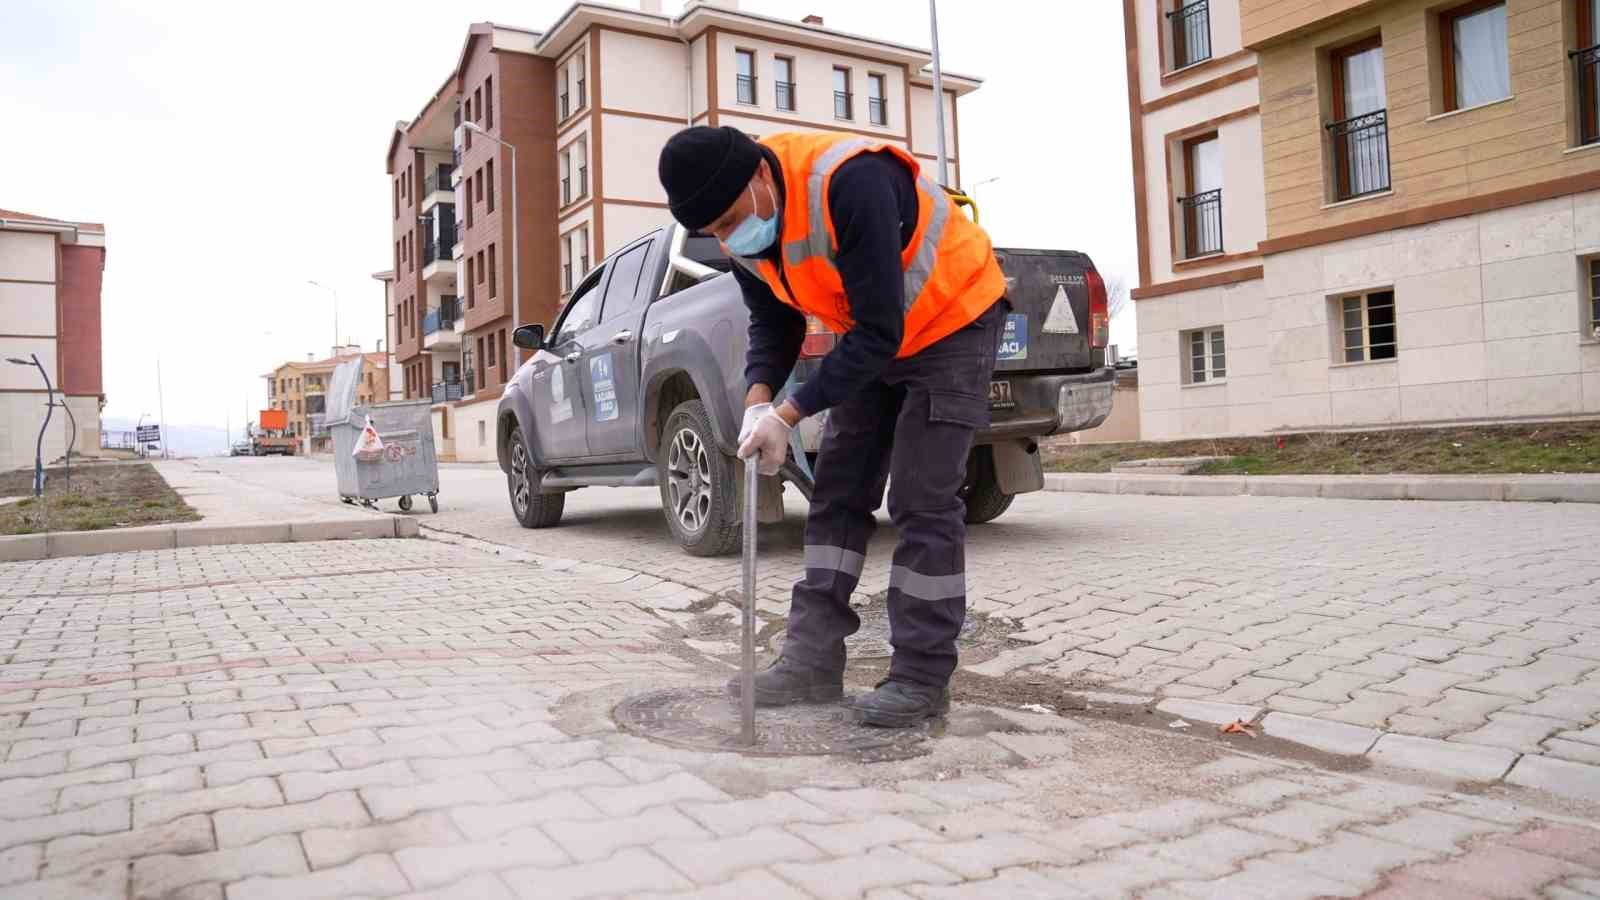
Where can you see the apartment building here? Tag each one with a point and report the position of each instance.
(587, 104)
(301, 388)
(50, 278)
(1364, 213)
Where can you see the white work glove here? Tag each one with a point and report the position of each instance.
(766, 434)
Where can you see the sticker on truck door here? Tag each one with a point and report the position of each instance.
(605, 388)
(1014, 339)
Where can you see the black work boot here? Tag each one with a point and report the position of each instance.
(786, 681)
(900, 704)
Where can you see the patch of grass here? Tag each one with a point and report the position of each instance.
(99, 497)
(1567, 448)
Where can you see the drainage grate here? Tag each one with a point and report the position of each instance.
(708, 719)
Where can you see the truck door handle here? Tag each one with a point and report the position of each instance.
(573, 356)
(622, 337)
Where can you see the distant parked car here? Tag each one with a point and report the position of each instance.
(242, 448)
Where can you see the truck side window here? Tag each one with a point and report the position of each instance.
(582, 310)
(622, 291)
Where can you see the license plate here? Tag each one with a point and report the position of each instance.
(1000, 395)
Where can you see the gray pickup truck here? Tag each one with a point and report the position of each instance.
(641, 383)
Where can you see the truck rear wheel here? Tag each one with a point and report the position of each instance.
(532, 509)
(697, 484)
(981, 491)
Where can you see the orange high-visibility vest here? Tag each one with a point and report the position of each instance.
(951, 276)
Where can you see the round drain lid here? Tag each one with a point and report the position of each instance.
(706, 718)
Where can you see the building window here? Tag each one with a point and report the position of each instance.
(480, 267)
(477, 106)
(468, 187)
(1367, 326)
(1473, 54)
(1206, 356)
(580, 156)
(566, 264)
(503, 354)
(1586, 71)
(877, 106)
(489, 361)
(583, 251)
(488, 172)
(783, 81)
(1359, 134)
(472, 295)
(488, 102)
(479, 385)
(492, 280)
(563, 98)
(1202, 208)
(477, 186)
(397, 198)
(1190, 25)
(566, 178)
(1594, 298)
(745, 63)
(841, 93)
(583, 70)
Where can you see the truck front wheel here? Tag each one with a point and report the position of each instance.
(697, 484)
(532, 509)
(981, 491)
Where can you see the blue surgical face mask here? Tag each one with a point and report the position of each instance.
(754, 234)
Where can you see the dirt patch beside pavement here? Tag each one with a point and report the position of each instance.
(97, 497)
(1533, 449)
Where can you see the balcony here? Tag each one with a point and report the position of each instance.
(446, 391)
(1202, 224)
(877, 111)
(439, 182)
(1191, 33)
(1360, 155)
(438, 259)
(1586, 70)
(746, 89)
(842, 105)
(785, 91)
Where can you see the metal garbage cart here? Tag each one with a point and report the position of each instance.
(408, 464)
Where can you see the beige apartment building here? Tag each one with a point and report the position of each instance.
(587, 104)
(301, 389)
(50, 279)
(1362, 213)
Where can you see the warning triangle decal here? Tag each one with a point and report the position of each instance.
(1061, 319)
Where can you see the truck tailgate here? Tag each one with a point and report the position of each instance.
(1048, 327)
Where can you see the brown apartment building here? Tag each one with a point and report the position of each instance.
(301, 388)
(1359, 213)
(587, 104)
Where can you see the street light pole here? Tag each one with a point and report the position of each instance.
(335, 314)
(938, 92)
(49, 407)
(516, 236)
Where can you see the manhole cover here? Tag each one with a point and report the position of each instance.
(871, 641)
(708, 719)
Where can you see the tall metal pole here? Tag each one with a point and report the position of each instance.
(516, 239)
(747, 660)
(161, 398)
(938, 93)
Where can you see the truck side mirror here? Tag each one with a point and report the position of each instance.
(528, 337)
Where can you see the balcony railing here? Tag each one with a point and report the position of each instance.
(785, 91)
(746, 86)
(445, 391)
(1360, 155)
(1191, 33)
(841, 104)
(449, 311)
(438, 250)
(877, 111)
(1586, 69)
(438, 181)
(1202, 224)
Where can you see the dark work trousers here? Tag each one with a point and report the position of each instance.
(913, 428)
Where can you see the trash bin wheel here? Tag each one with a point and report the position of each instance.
(433, 502)
(405, 503)
(349, 500)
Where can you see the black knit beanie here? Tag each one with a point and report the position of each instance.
(704, 170)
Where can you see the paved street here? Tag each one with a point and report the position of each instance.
(386, 718)
(1477, 623)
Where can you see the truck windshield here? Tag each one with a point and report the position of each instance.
(707, 251)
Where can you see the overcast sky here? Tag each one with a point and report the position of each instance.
(237, 151)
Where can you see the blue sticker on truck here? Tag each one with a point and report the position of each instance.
(605, 388)
(1014, 339)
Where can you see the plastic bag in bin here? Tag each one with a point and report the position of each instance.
(369, 447)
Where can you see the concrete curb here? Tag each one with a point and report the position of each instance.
(1510, 488)
(21, 548)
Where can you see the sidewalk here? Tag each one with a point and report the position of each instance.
(299, 720)
(1535, 488)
